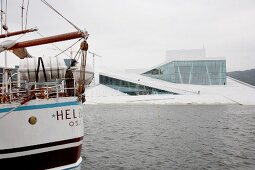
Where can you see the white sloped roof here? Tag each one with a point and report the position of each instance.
(101, 90)
(235, 91)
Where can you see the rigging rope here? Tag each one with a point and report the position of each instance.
(40, 60)
(50, 6)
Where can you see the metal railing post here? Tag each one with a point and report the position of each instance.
(74, 87)
(57, 90)
(47, 91)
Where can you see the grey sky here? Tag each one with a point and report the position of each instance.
(137, 33)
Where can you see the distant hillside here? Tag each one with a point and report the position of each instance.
(247, 76)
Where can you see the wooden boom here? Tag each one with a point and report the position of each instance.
(51, 39)
(9, 34)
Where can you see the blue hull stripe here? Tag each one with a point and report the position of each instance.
(44, 106)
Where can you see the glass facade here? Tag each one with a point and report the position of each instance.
(198, 72)
(129, 87)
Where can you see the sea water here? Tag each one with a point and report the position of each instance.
(169, 137)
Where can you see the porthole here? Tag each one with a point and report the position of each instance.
(32, 120)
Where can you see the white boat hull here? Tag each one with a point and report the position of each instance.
(54, 140)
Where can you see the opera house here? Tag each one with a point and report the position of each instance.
(186, 77)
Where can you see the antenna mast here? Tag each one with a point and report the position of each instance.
(93, 55)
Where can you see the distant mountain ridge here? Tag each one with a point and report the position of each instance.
(247, 76)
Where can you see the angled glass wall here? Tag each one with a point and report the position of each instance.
(129, 87)
(198, 72)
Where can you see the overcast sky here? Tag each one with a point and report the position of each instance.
(137, 33)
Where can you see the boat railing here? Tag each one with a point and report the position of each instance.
(15, 91)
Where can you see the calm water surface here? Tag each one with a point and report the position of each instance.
(169, 137)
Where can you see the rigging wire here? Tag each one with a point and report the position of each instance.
(50, 6)
(22, 14)
(24, 26)
(27, 13)
(5, 10)
(62, 51)
(4, 19)
(1, 16)
(68, 48)
(78, 52)
(5, 26)
(54, 45)
(74, 60)
(19, 37)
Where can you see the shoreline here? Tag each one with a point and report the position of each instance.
(166, 100)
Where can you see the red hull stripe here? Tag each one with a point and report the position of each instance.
(45, 160)
(45, 145)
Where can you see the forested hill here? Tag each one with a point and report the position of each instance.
(247, 76)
